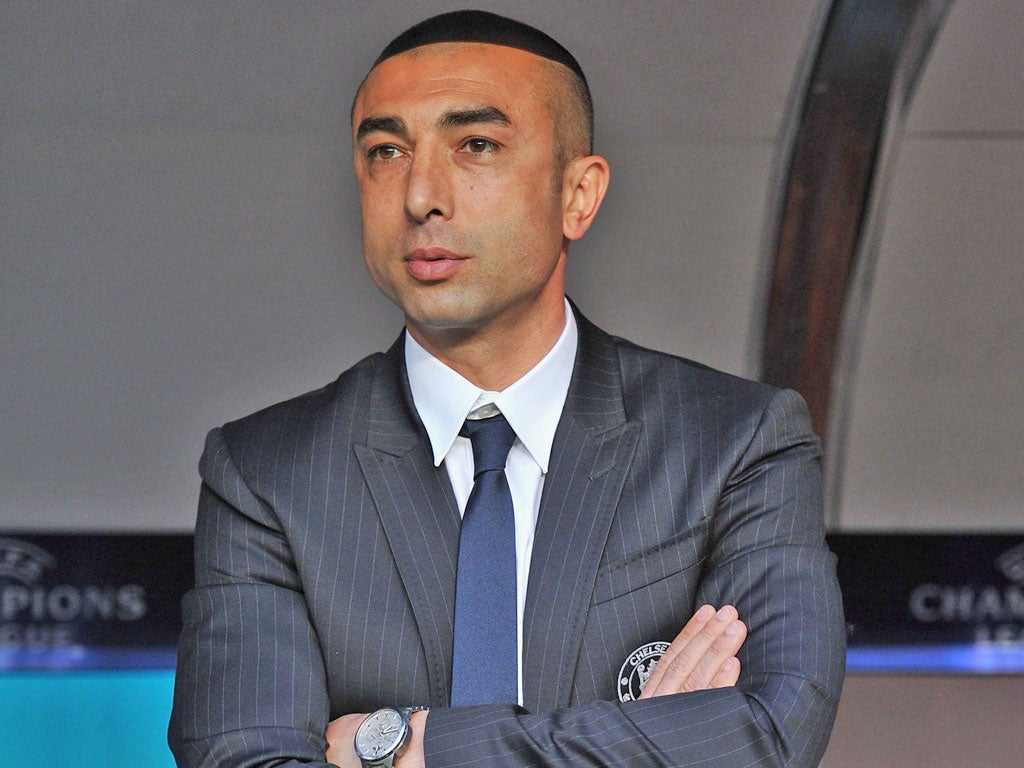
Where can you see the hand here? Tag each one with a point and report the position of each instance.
(341, 736)
(702, 656)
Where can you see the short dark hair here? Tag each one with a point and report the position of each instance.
(472, 26)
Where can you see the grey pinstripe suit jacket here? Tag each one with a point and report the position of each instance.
(325, 574)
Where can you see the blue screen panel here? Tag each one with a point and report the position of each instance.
(93, 719)
(974, 659)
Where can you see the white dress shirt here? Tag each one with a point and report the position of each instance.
(532, 405)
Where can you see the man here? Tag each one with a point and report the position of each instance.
(332, 574)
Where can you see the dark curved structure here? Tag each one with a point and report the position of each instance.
(855, 98)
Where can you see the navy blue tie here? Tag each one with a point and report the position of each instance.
(485, 664)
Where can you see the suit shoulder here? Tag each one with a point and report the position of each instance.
(647, 368)
(707, 401)
(349, 393)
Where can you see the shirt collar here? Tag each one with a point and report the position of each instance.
(532, 405)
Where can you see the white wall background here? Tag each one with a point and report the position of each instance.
(180, 227)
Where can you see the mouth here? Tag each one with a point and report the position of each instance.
(433, 264)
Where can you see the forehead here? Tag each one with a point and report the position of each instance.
(446, 74)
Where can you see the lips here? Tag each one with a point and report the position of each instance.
(432, 264)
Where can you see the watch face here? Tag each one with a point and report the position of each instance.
(380, 734)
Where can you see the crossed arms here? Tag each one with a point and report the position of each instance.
(253, 684)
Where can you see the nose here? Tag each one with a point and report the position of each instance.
(428, 190)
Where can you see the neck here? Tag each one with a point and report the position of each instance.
(495, 357)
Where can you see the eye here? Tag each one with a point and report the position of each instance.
(478, 146)
(383, 152)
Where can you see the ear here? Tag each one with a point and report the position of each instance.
(584, 184)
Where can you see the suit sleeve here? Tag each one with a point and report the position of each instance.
(769, 558)
(250, 688)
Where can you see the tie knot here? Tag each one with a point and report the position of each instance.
(492, 439)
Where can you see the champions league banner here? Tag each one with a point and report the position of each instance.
(91, 601)
(937, 603)
(950, 603)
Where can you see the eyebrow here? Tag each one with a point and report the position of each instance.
(381, 124)
(459, 117)
(451, 119)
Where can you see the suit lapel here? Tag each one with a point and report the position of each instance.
(592, 452)
(418, 512)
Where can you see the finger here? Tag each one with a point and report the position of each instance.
(676, 673)
(724, 648)
(696, 623)
(728, 674)
(679, 645)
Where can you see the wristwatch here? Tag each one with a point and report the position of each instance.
(383, 736)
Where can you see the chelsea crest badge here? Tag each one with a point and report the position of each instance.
(637, 668)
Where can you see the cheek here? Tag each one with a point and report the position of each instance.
(530, 206)
(376, 253)
(539, 219)
(378, 219)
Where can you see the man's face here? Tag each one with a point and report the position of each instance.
(456, 158)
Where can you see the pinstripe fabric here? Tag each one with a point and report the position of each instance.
(326, 546)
